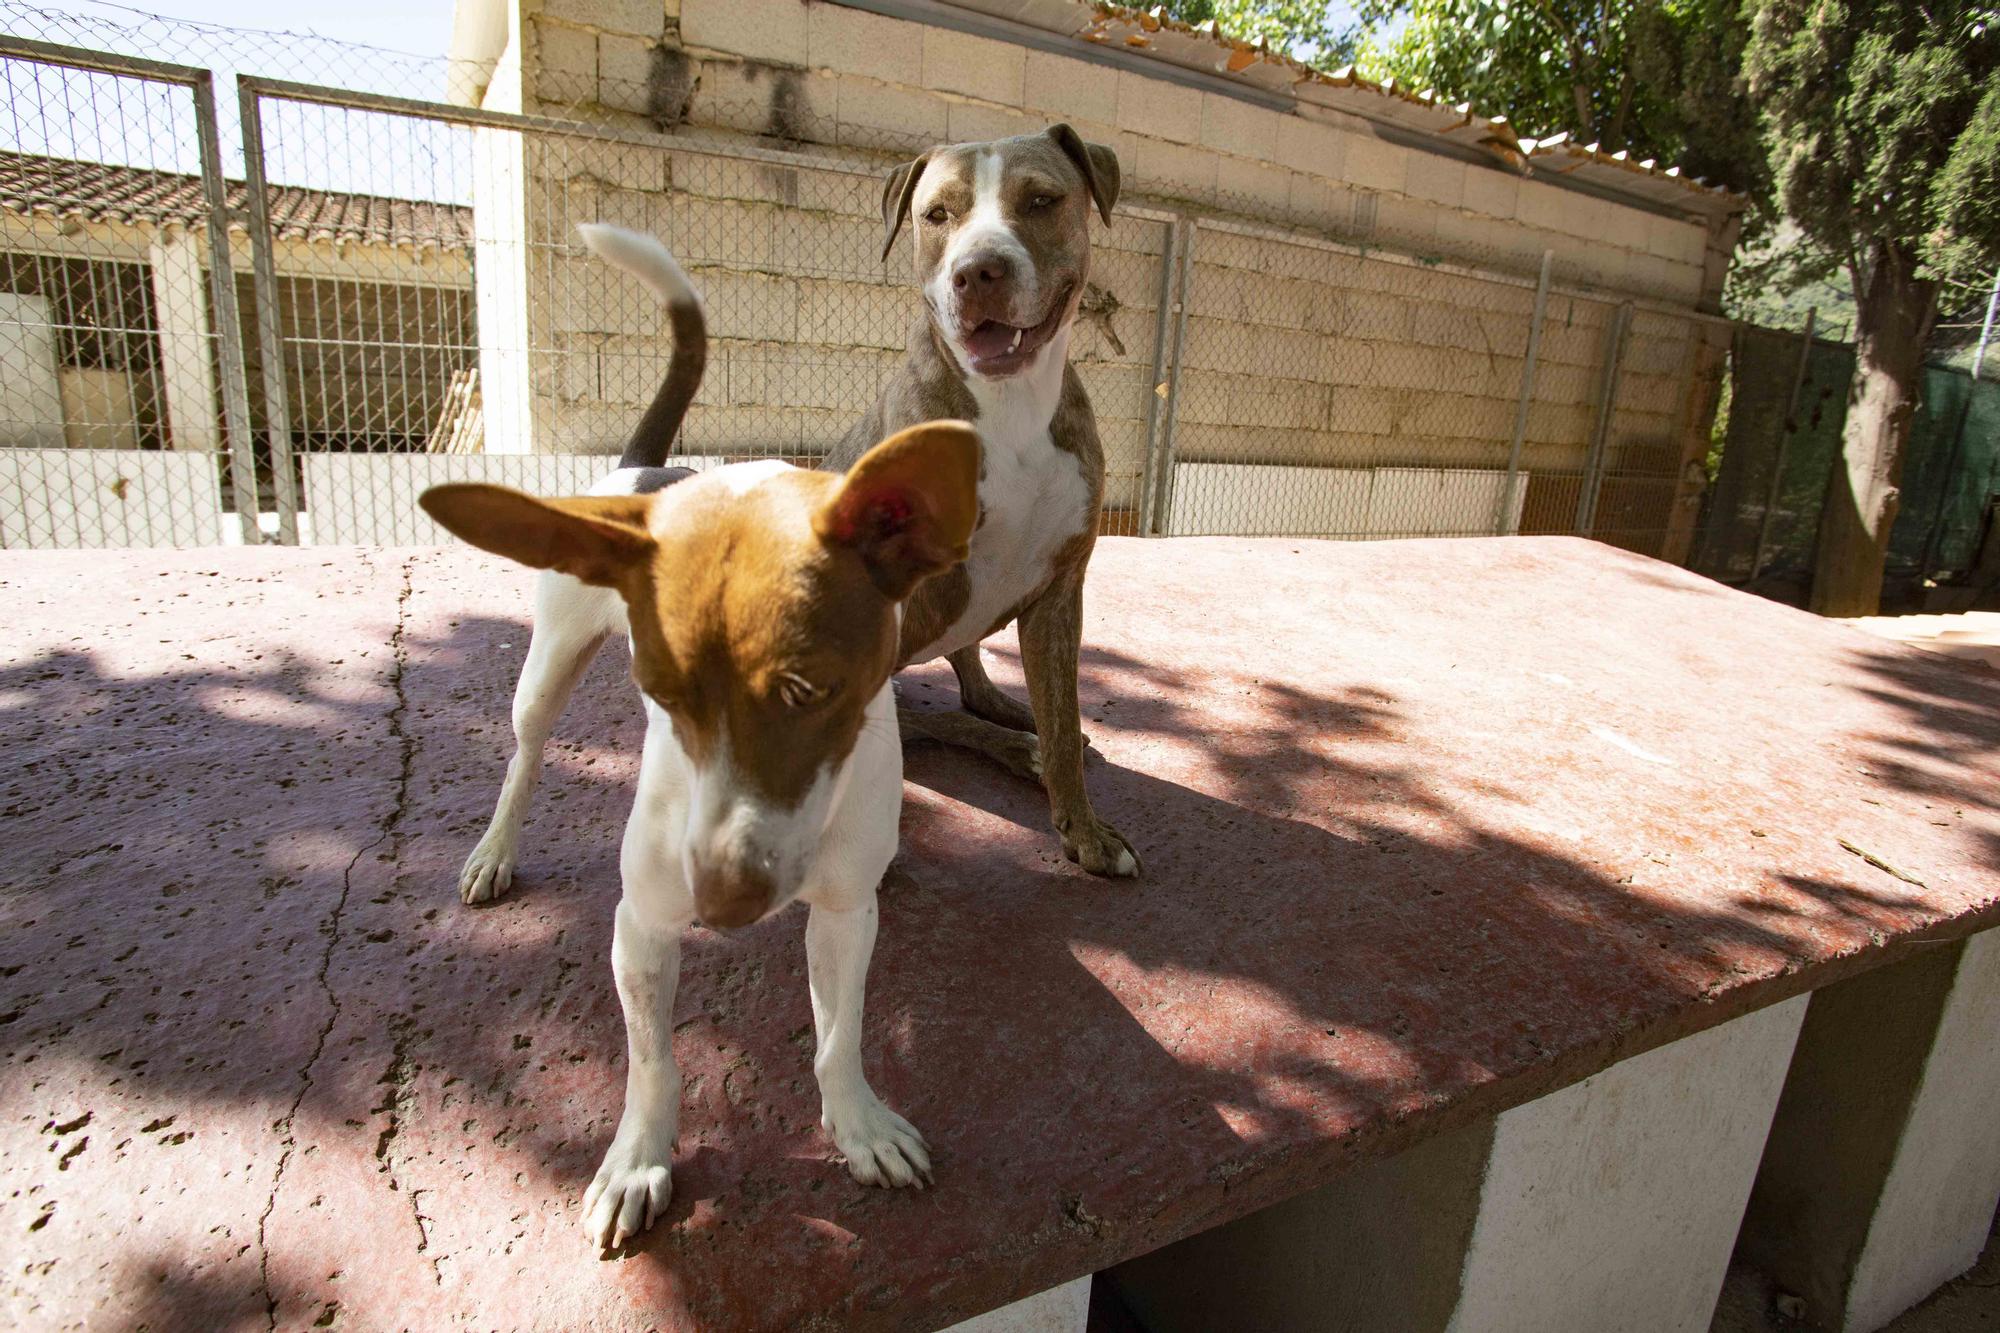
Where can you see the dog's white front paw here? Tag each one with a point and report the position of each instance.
(632, 1187)
(881, 1147)
(489, 871)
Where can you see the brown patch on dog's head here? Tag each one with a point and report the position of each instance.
(597, 539)
(763, 614)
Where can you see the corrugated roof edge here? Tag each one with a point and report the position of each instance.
(1208, 49)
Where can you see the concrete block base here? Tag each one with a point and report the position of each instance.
(1610, 1204)
(1063, 1309)
(1883, 1170)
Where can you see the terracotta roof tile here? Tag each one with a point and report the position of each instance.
(101, 192)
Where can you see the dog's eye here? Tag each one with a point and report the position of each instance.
(937, 216)
(798, 692)
(1042, 201)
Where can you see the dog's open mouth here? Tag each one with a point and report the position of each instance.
(996, 349)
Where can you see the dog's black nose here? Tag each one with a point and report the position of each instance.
(981, 270)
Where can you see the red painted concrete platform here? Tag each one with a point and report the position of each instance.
(1429, 829)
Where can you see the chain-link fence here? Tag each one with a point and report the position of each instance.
(121, 415)
(1328, 391)
(407, 302)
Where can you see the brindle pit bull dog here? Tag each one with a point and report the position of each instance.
(1003, 250)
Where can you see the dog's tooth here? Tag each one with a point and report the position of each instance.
(1016, 345)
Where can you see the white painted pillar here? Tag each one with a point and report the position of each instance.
(1063, 1309)
(1609, 1205)
(187, 364)
(1883, 1170)
(500, 188)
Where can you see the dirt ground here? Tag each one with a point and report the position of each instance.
(1973, 634)
(1969, 1304)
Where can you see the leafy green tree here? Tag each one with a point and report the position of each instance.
(1882, 119)
(1656, 78)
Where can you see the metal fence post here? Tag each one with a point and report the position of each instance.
(1157, 395)
(1600, 435)
(229, 336)
(1986, 329)
(1503, 515)
(1784, 446)
(270, 343)
(1163, 492)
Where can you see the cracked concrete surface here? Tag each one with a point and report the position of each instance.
(388, 833)
(178, 761)
(260, 1067)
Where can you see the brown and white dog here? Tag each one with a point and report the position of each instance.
(1003, 251)
(765, 607)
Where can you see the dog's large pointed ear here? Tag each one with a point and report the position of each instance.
(596, 538)
(897, 188)
(1098, 164)
(908, 506)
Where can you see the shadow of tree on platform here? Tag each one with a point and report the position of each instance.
(252, 909)
(1947, 750)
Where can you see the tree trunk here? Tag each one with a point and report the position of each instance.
(1892, 323)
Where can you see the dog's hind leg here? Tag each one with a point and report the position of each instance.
(571, 621)
(1019, 752)
(982, 698)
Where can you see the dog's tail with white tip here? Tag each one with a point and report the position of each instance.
(648, 261)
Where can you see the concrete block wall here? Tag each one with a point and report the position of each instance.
(806, 317)
(861, 80)
(1353, 360)
(1295, 354)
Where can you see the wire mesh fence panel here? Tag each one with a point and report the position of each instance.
(412, 303)
(106, 26)
(362, 338)
(113, 426)
(1639, 474)
(1329, 392)
(1561, 453)
(433, 296)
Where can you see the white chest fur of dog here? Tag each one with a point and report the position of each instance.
(845, 859)
(1033, 497)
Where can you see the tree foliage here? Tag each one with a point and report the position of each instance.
(1303, 29)
(1883, 121)
(1656, 78)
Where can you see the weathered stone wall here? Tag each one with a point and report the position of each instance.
(1294, 354)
